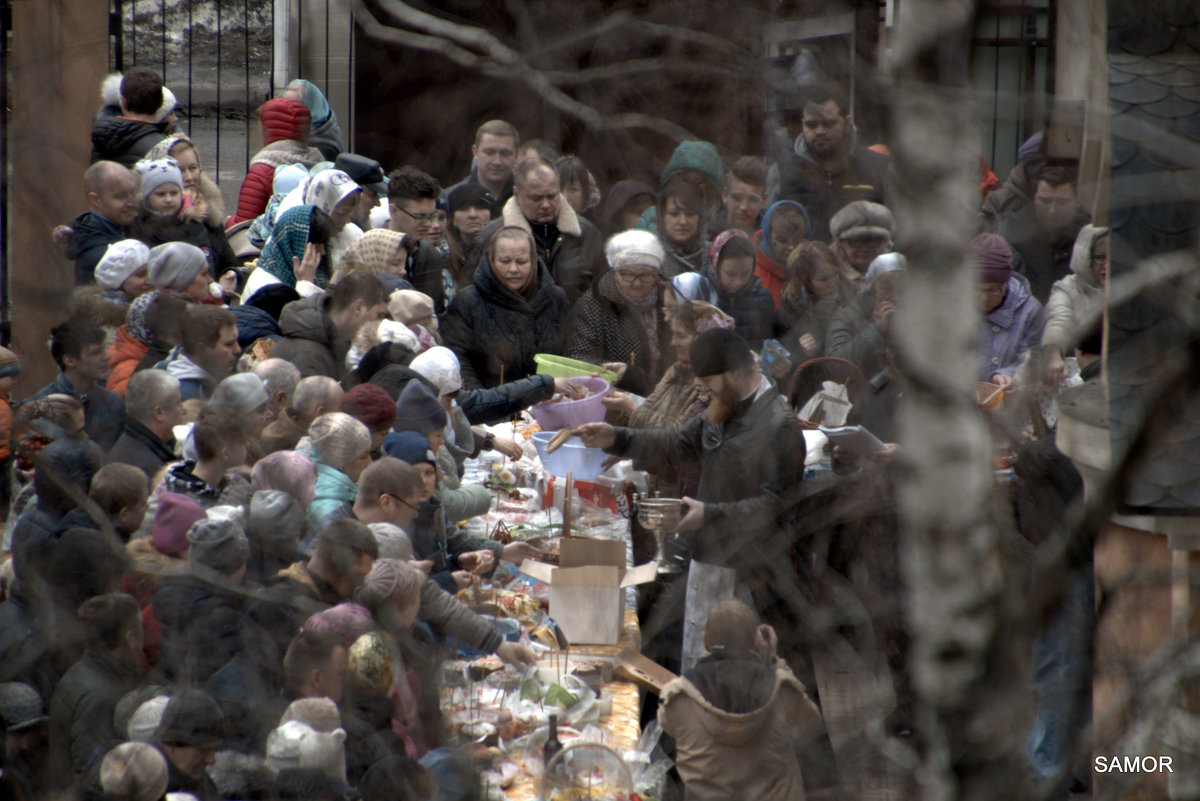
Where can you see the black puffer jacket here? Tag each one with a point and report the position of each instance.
(606, 328)
(489, 327)
(123, 140)
(751, 307)
(201, 628)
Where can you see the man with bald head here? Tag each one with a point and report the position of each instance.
(314, 396)
(113, 197)
(569, 245)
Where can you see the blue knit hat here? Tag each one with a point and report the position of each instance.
(410, 447)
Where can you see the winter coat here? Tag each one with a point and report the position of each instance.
(232, 490)
(310, 339)
(125, 141)
(722, 754)
(1015, 194)
(855, 337)
(1011, 331)
(1077, 301)
(800, 314)
(494, 405)
(771, 267)
(1039, 256)
(91, 235)
(751, 307)
(123, 357)
(140, 447)
(81, 709)
(201, 628)
(334, 492)
(148, 568)
(864, 175)
(424, 268)
(606, 328)
(574, 258)
(281, 434)
(441, 542)
(748, 463)
(191, 228)
(104, 410)
(194, 381)
(254, 324)
(284, 132)
(495, 201)
(492, 329)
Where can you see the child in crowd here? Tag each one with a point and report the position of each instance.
(166, 216)
(120, 491)
(740, 294)
(784, 226)
(123, 272)
(739, 715)
(807, 303)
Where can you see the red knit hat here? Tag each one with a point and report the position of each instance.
(371, 405)
(172, 519)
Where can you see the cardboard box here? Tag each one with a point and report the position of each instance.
(587, 596)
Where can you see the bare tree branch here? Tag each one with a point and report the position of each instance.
(459, 42)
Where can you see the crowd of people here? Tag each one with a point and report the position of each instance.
(244, 485)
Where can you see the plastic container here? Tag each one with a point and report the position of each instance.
(562, 367)
(582, 462)
(573, 413)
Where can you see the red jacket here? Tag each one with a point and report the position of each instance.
(123, 357)
(772, 274)
(282, 119)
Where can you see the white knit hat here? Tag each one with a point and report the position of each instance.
(121, 260)
(169, 105)
(297, 745)
(338, 439)
(634, 247)
(134, 771)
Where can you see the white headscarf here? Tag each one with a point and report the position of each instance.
(440, 366)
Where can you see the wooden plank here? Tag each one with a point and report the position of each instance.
(59, 56)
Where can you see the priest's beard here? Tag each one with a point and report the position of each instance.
(725, 399)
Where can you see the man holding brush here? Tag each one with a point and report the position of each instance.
(751, 451)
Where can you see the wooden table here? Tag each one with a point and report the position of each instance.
(623, 724)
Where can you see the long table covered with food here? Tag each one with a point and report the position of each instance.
(575, 606)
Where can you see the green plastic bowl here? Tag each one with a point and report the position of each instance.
(562, 367)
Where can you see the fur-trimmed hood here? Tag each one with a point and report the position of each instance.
(148, 567)
(567, 222)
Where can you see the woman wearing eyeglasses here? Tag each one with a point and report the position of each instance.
(620, 322)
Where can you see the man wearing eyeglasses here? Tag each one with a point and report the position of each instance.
(412, 203)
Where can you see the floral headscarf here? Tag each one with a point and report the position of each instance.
(714, 253)
(706, 317)
(288, 240)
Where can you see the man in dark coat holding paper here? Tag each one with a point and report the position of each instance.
(751, 451)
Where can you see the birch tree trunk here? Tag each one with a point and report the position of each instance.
(950, 545)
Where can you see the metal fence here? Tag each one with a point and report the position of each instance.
(224, 58)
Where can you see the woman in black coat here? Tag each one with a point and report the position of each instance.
(512, 311)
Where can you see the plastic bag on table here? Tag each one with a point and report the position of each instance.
(648, 762)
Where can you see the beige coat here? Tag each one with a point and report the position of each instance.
(723, 756)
